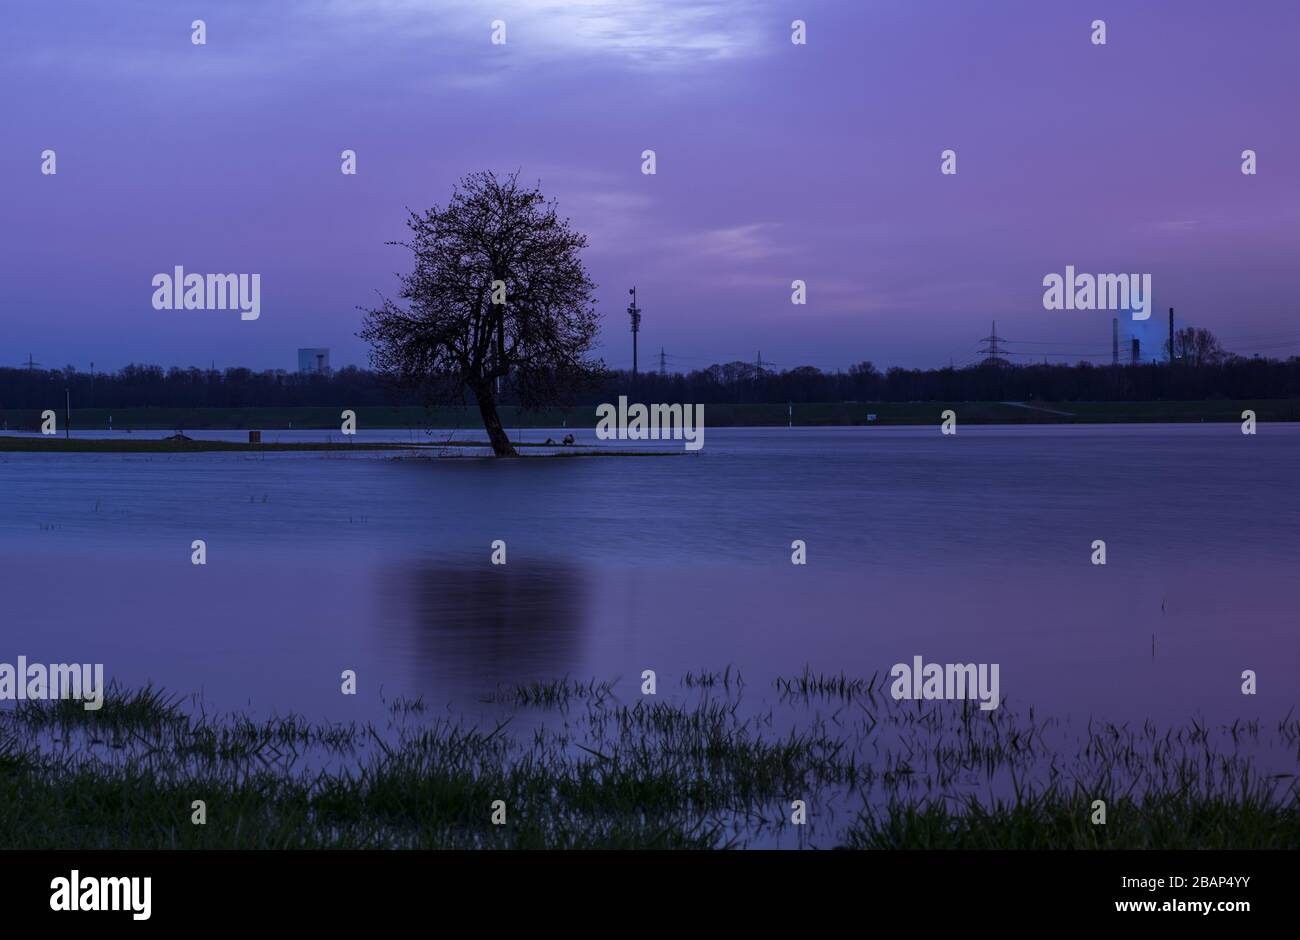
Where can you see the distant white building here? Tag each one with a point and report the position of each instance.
(314, 361)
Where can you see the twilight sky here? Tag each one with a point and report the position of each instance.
(775, 162)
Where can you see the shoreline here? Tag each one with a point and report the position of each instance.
(141, 441)
(144, 445)
(812, 414)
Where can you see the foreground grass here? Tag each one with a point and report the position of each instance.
(653, 774)
(1250, 819)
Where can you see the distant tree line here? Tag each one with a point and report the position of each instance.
(740, 382)
(143, 386)
(737, 382)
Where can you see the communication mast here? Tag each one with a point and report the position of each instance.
(634, 312)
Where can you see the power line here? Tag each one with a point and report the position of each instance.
(992, 352)
(1082, 355)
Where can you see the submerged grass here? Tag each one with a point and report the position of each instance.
(120, 709)
(643, 773)
(556, 693)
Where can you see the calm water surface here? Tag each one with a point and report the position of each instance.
(973, 548)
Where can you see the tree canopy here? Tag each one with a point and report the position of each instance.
(498, 295)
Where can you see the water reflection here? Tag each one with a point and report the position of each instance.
(474, 627)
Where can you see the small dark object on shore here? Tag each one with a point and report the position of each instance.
(179, 437)
(568, 439)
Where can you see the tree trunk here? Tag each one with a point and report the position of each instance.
(487, 407)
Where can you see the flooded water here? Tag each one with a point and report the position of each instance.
(974, 548)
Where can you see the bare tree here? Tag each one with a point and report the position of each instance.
(1196, 347)
(498, 292)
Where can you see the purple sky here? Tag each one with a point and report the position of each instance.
(775, 162)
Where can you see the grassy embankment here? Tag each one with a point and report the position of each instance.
(720, 415)
(646, 774)
(156, 445)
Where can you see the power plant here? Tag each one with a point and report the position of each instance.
(314, 361)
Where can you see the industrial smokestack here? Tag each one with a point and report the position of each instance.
(1171, 336)
(1136, 354)
(1114, 341)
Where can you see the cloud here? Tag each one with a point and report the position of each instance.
(665, 34)
(754, 241)
(426, 45)
(615, 219)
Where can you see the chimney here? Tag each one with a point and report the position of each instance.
(1136, 356)
(1114, 341)
(1171, 336)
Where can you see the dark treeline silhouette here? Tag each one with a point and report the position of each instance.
(738, 382)
(141, 386)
